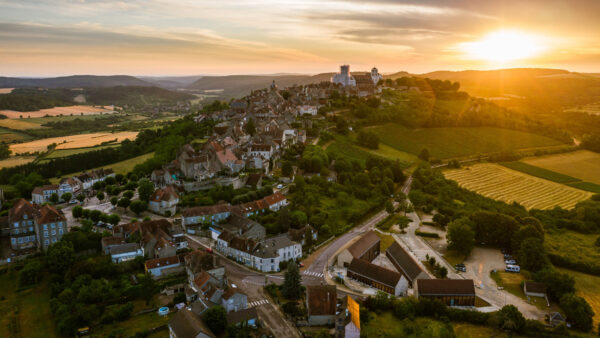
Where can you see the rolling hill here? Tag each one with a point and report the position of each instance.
(74, 81)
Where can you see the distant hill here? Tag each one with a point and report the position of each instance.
(240, 85)
(171, 82)
(75, 81)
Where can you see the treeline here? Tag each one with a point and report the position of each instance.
(31, 99)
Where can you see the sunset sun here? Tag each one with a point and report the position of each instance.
(504, 46)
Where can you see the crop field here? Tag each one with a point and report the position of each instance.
(587, 287)
(73, 151)
(6, 90)
(71, 141)
(57, 111)
(19, 124)
(500, 183)
(9, 136)
(582, 164)
(15, 161)
(446, 143)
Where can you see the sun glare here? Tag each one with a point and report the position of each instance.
(504, 46)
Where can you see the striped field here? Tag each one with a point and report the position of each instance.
(500, 183)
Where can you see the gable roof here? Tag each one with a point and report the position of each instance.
(404, 261)
(20, 209)
(274, 198)
(435, 287)
(158, 262)
(49, 214)
(206, 210)
(186, 324)
(374, 272)
(241, 316)
(535, 287)
(363, 244)
(321, 299)
(123, 248)
(40, 190)
(164, 194)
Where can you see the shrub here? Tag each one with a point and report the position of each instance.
(426, 234)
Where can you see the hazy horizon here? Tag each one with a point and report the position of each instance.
(43, 38)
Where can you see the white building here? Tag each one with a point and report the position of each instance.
(344, 77)
(375, 76)
(307, 110)
(41, 195)
(164, 201)
(264, 255)
(125, 252)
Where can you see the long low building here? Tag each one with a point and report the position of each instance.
(367, 248)
(378, 277)
(405, 263)
(452, 292)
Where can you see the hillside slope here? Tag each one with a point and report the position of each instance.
(74, 81)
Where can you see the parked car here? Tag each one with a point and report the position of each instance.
(300, 265)
(279, 186)
(512, 268)
(460, 267)
(510, 261)
(507, 256)
(73, 201)
(209, 250)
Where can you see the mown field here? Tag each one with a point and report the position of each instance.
(19, 124)
(582, 164)
(15, 161)
(498, 182)
(71, 141)
(56, 111)
(553, 176)
(588, 287)
(446, 143)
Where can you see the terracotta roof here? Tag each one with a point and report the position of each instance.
(206, 210)
(321, 299)
(21, 208)
(201, 279)
(158, 262)
(275, 198)
(535, 287)
(445, 287)
(366, 242)
(374, 272)
(260, 147)
(48, 214)
(164, 194)
(185, 324)
(112, 240)
(241, 316)
(196, 261)
(40, 190)
(404, 261)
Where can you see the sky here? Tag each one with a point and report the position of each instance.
(218, 37)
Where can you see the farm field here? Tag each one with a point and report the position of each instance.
(6, 90)
(122, 167)
(587, 287)
(344, 147)
(498, 182)
(15, 161)
(68, 152)
(573, 247)
(56, 111)
(446, 143)
(9, 136)
(72, 141)
(582, 164)
(19, 124)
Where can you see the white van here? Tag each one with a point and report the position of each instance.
(512, 268)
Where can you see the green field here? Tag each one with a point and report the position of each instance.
(446, 143)
(386, 325)
(9, 136)
(68, 152)
(551, 176)
(25, 313)
(573, 246)
(344, 146)
(587, 186)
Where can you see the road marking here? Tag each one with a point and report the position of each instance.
(313, 274)
(258, 303)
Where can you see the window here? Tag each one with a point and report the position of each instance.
(30, 229)
(25, 239)
(16, 224)
(60, 231)
(29, 223)
(45, 226)
(53, 232)
(32, 238)
(45, 233)
(53, 240)
(46, 242)
(60, 224)
(16, 231)
(20, 240)
(13, 240)
(53, 225)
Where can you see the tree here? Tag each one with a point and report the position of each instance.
(145, 189)
(95, 215)
(250, 128)
(460, 236)
(578, 311)
(216, 319)
(4, 151)
(100, 196)
(114, 219)
(77, 211)
(558, 283)
(114, 200)
(368, 139)
(138, 206)
(443, 272)
(128, 194)
(510, 318)
(291, 288)
(424, 154)
(54, 198)
(81, 198)
(124, 202)
(66, 196)
(341, 126)
(389, 207)
(60, 257)
(286, 169)
(532, 255)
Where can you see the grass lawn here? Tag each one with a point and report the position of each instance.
(8, 136)
(454, 257)
(511, 282)
(25, 313)
(588, 287)
(386, 241)
(387, 325)
(465, 330)
(133, 325)
(391, 153)
(459, 141)
(573, 246)
(587, 186)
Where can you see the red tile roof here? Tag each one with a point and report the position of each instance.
(158, 262)
(48, 214)
(21, 208)
(206, 210)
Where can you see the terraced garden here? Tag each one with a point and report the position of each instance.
(498, 182)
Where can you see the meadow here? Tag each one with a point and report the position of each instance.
(345, 147)
(444, 143)
(56, 111)
(588, 287)
(8, 136)
(19, 124)
(73, 151)
(582, 164)
(573, 247)
(15, 161)
(500, 183)
(71, 141)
